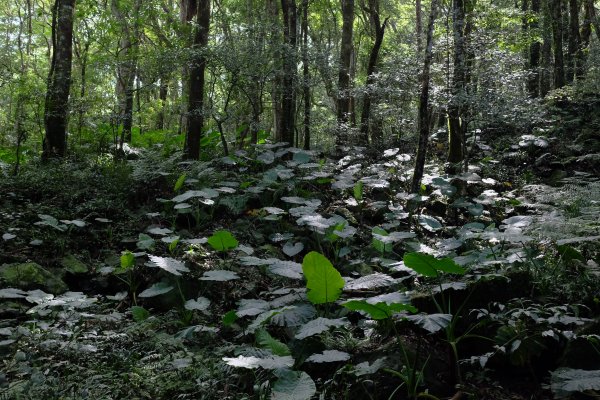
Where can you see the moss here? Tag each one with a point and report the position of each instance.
(29, 276)
(71, 264)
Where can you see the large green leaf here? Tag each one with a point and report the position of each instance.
(222, 241)
(427, 265)
(323, 281)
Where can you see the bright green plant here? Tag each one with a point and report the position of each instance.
(323, 281)
(223, 241)
(127, 274)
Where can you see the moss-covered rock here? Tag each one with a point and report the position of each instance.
(31, 276)
(71, 264)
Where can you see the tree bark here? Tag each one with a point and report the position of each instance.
(575, 51)
(343, 101)
(557, 42)
(546, 51)
(379, 31)
(423, 116)
(196, 82)
(59, 80)
(419, 26)
(305, 75)
(288, 95)
(455, 153)
(533, 84)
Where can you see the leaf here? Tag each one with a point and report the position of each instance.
(219, 275)
(428, 265)
(8, 236)
(329, 356)
(12, 293)
(266, 341)
(430, 223)
(160, 231)
(292, 316)
(288, 269)
(171, 265)
(323, 281)
(291, 249)
(380, 310)
(139, 314)
(145, 242)
(251, 307)
(293, 385)
(229, 318)
(358, 191)
(379, 242)
(156, 290)
(365, 369)
(431, 322)
(372, 281)
(566, 381)
(127, 260)
(272, 362)
(319, 325)
(199, 304)
(179, 183)
(222, 241)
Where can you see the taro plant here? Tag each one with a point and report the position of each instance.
(126, 273)
(429, 266)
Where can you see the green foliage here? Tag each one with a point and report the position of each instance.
(427, 265)
(223, 241)
(323, 281)
(139, 314)
(179, 183)
(266, 341)
(380, 310)
(358, 191)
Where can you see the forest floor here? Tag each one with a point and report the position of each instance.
(155, 279)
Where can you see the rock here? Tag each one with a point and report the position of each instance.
(71, 264)
(31, 276)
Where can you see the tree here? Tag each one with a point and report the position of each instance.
(196, 82)
(575, 59)
(423, 115)
(288, 88)
(455, 108)
(59, 80)
(533, 84)
(557, 42)
(378, 28)
(126, 70)
(305, 75)
(343, 97)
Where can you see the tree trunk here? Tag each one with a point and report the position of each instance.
(533, 85)
(455, 153)
(196, 82)
(575, 52)
(419, 26)
(163, 92)
(379, 30)
(305, 75)
(557, 41)
(423, 117)
(288, 99)
(343, 101)
(59, 80)
(127, 67)
(546, 60)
